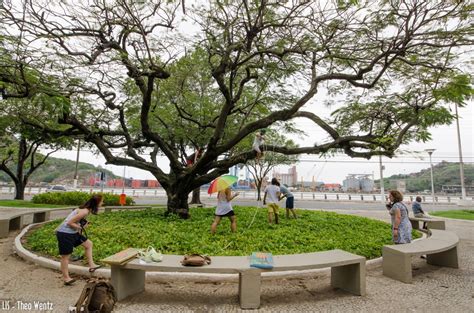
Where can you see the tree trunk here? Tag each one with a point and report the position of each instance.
(259, 190)
(19, 191)
(196, 198)
(177, 200)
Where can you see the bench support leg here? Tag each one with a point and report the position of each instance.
(415, 224)
(446, 258)
(4, 228)
(350, 278)
(16, 223)
(249, 288)
(127, 282)
(41, 217)
(397, 266)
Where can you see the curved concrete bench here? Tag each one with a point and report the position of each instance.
(440, 249)
(347, 272)
(431, 223)
(14, 218)
(108, 209)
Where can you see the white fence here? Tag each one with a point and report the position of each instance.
(249, 194)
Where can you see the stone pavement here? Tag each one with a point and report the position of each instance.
(435, 289)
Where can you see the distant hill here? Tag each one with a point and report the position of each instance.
(444, 173)
(61, 171)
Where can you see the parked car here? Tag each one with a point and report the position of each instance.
(56, 188)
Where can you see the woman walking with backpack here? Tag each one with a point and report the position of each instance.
(69, 235)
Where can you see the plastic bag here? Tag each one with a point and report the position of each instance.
(150, 255)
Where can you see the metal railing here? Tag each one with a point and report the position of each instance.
(249, 194)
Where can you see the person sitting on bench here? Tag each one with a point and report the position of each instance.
(418, 211)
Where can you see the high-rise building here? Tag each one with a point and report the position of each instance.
(289, 179)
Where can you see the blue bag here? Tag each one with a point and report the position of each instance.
(261, 260)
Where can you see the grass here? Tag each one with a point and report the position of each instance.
(27, 204)
(459, 214)
(312, 231)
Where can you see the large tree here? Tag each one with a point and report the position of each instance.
(265, 62)
(20, 144)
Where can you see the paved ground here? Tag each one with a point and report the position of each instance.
(434, 289)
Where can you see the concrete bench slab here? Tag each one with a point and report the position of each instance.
(347, 272)
(108, 209)
(440, 249)
(430, 223)
(13, 219)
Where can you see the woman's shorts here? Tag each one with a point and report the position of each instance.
(290, 203)
(229, 214)
(67, 242)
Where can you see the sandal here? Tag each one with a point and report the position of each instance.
(69, 282)
(92, 269)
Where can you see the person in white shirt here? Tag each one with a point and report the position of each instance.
(257, 142)
(273, 193)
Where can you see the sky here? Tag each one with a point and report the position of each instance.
(335, 169)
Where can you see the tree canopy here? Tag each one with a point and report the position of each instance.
(142, 79)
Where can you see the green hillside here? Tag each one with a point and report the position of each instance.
(60, 171)
(444, 173)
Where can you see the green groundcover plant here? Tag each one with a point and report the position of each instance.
(312, 231)
(458, 214)
(75, 198)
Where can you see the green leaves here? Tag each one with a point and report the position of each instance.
(457, 90)
(313, 231)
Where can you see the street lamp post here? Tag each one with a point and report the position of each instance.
(430, 152)
(461, 166)
(76, 177)
(123, 180)
(382, 189)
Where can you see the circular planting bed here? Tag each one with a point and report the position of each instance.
(312, 231)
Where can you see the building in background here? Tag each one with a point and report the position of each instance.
(402, 185)
(331, 187)
(290, 179)
(245, 180)
(358, 183)
(95, 181)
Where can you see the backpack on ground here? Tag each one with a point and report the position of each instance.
(98, 296)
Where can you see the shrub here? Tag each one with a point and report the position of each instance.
(75, 198)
